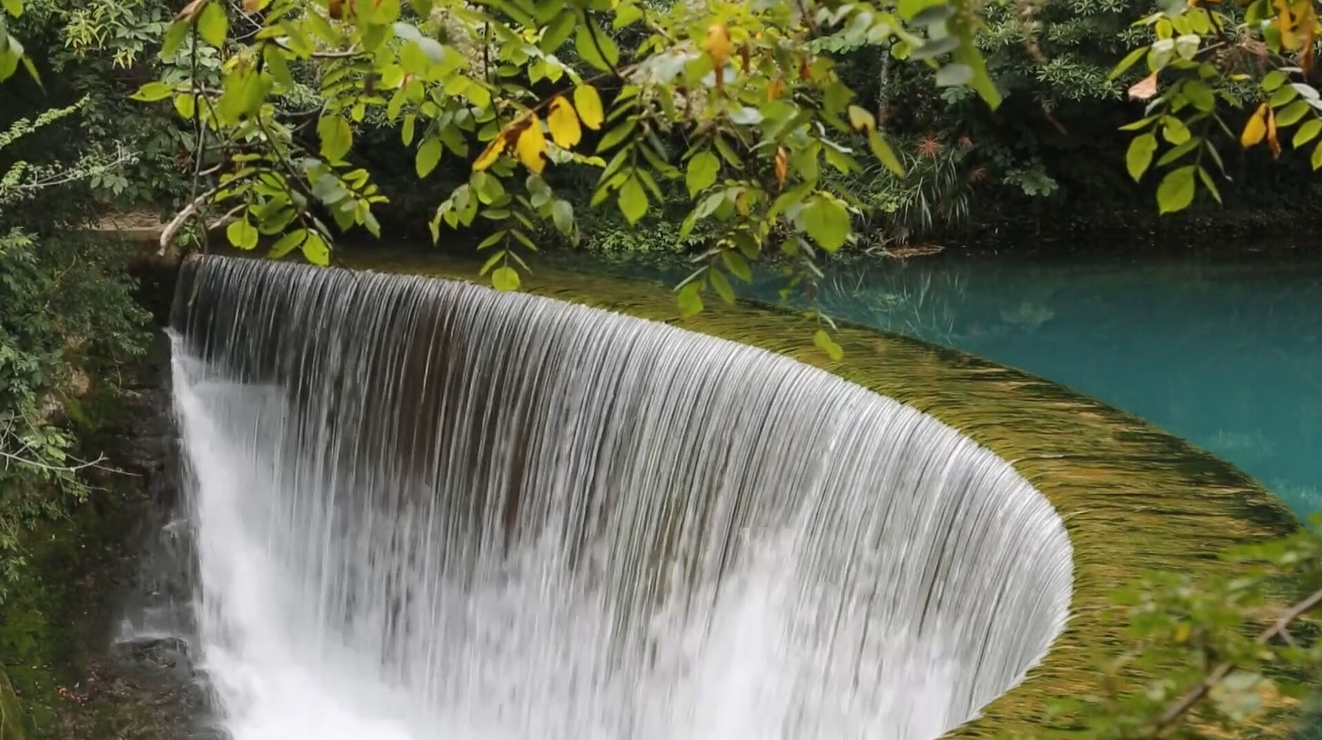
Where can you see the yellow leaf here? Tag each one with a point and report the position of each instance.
(1144, 88)
(531, 145)
(588, 103)
(861, 119)
(782, 166)
(563, 123)
(718, 43)
(489, 155)
(776, 88)
(1285, 22)
(1255, 129)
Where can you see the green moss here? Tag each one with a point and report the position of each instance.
(42, 620)
(11, 712)
(1132, 497)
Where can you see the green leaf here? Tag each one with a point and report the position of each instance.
(1292, 113)
(152, 92)
(428, 156)
(278, 66)
(1176, 190)
(505, 278)
(826, 220)
(174, 36)
(595, 47)
(406, 131)
(1273, 80)
(1206, 177)
(1175, 131)
(1139, 124)
(562, 214)
(932, 48)
(13, 7)
(804, 162)
(488, 187)
(632, 200)
(1317, 156)
(315, 250)
(926, 12)
(1176, 152)
(616, 135)
(1282, 96)
(184, 106)
(737, 265)
(625, 14)
(558, 32)
(430, 48)
(968, 54)
(954, 75)
(703, 169)
(790, 198)
(491, 261)
(336, 137)
(212, 25)
(690, 299)
(1306, 132)
(242, 97)
(828, 345)
(884, 154)
(1139, 156)
(242, 233)
(1130, 59)
(491, 240)
(288, 243)
(721, 285)
(1199, 95)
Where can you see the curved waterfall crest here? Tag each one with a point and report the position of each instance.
(425, 509)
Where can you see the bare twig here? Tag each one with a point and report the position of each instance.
(30, 460)
(180, 218)
(1277, 629)
(20, 460)
(349, 54)
(122, 156)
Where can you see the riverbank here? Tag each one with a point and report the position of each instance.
(1210, 232)
(73, 676)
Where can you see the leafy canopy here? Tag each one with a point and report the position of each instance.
(742, 107)
(740, 102)
(1207, 65)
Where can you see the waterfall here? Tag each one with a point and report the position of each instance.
(426, 510)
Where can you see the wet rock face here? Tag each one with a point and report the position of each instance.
(149, 685)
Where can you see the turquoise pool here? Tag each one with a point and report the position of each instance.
(1226, 354)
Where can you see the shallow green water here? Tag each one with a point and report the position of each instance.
(1225, 354)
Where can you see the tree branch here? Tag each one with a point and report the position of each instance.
(1277, 629)
(180, 218)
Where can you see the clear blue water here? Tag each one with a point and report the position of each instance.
(1226, 354)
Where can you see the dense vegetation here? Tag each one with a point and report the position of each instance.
(730, 131)
(67, 318)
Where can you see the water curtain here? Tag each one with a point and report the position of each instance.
(424, 509)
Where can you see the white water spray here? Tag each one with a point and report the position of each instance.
(424, 510)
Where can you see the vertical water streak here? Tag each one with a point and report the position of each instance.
(425, 509)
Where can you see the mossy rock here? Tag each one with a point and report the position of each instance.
(11, 712)
(1132, 497)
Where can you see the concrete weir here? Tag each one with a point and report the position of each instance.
(425, 509)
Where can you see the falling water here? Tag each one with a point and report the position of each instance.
(424, 510)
